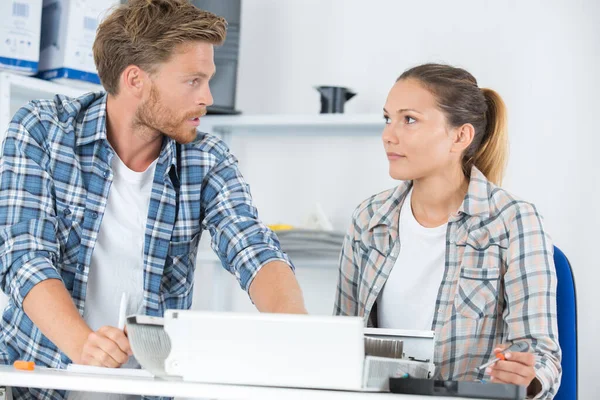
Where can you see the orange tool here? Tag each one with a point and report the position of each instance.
(516, 347)
(24, 365)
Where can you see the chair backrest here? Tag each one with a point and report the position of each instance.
(566, 302)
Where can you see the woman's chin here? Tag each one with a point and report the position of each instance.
(401, 175)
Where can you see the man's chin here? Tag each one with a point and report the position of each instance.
(184, 137)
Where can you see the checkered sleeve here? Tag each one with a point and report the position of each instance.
(346, 298)
(530, 284)
(28, 242)
(240, 240)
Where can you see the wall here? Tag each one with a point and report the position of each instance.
(541, 56)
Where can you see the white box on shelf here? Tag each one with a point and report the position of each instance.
(20, 35)
(68, 33)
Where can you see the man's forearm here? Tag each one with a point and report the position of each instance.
(52, 310)
(275, 289)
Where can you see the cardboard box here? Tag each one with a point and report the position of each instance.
(20, 35)
(67, 36)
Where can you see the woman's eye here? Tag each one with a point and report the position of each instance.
(409, 120)
(387, 119)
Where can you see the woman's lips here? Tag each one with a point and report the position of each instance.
(394, 156)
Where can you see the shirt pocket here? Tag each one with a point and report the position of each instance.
(178, 276)
(477, 292)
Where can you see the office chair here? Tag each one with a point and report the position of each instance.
(566, 303)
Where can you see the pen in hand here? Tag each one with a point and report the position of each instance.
(122, 311)
(517, 347)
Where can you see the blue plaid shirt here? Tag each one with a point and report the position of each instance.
(55, 178)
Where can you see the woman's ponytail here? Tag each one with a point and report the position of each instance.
(492, 155)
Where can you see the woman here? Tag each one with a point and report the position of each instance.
(448, 250)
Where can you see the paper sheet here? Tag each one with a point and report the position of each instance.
(87, 369)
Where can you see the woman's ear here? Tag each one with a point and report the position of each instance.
(462, 138)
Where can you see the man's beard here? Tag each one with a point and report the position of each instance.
(153, 115)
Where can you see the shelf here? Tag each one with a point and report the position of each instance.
(307, 124)
(64, 380)
(40, 88)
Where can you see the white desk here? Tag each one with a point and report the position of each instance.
(63, 380)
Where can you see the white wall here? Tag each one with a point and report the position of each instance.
(541, 56)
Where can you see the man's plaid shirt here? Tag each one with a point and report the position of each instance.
(55, 178)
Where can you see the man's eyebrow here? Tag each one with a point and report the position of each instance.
(200, 75)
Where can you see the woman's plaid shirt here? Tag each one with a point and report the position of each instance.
(499, 283)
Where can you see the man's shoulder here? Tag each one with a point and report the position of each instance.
(61, 113)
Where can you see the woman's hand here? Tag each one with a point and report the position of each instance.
(517, 369)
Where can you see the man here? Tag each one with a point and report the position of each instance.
(109, 193)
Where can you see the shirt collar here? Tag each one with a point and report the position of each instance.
(91, 124)
(476, 202)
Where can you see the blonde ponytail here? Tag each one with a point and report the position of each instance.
(492, 155)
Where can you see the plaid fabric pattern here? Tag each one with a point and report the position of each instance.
(499, 283)
(55, 178)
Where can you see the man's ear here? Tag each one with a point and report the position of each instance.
(133, 79)
(462, 138)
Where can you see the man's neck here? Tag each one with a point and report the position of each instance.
(435, 198)
(136, 146)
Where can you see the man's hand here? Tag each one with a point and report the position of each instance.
(107, 347)
(518, 369)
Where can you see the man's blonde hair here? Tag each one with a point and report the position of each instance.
(145, 33)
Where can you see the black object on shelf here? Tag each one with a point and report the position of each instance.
(333, 98)
(223, 84)
(478, 390)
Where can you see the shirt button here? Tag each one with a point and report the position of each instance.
(106, 174)
(66, 211)
(375, 287)
(94, 215)
(80, 267)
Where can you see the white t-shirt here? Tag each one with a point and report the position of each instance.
(117, 263)
(408, 298)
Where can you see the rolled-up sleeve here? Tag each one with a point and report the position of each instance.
(346, 298)
(240, 240)
(28, 242)
(530, 283)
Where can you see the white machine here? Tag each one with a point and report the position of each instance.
(275, 350)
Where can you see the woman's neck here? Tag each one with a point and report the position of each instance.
(435, 198)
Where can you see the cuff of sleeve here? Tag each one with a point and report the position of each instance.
(30, 273)
(539, 386)
(248, 270)
(544, 384)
